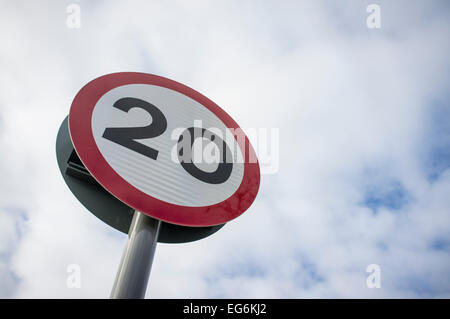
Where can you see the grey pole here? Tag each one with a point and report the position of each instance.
(134, 270)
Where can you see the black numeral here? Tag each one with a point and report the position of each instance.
(126, 136)
(225, 166)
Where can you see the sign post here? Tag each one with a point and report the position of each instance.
(153, 157)
(134, 269)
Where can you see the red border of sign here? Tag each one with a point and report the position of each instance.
(80, 119)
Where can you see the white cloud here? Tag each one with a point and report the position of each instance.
(352, 105)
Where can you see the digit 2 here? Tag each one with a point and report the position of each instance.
(126, 136)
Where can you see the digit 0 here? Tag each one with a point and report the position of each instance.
(184, 151)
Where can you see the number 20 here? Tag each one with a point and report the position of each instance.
(126, 136)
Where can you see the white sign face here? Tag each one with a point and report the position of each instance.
(164, 149)
(163, 178)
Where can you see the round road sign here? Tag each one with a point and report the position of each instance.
(164, 149)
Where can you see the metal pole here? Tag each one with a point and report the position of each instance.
(134, 270)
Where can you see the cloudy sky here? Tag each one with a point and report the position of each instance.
(364, 137)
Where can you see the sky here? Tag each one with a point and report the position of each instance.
(363, 173)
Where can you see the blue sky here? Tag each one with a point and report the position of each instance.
(363, 117)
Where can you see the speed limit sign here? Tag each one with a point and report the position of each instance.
(164, 149)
